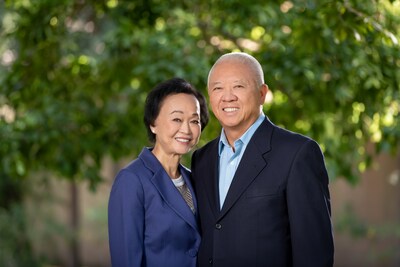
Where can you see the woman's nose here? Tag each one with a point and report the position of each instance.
(185, 128)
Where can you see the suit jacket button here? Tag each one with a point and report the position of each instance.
(193, 252)
(218, 226)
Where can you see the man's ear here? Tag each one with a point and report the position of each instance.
(263, 93)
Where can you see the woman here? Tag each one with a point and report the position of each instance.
(152, 218)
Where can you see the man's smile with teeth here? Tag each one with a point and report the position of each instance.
(230, 109)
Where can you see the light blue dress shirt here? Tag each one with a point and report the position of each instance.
(229, 160)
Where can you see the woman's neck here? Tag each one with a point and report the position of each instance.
(170, 162)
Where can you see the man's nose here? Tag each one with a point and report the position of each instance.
(228, 95)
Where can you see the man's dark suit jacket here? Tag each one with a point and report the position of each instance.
(277, 211)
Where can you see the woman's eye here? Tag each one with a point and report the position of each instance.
(177, 120)
(196, 121)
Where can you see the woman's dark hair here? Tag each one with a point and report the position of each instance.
(171, 87)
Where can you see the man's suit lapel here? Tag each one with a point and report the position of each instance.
(251, 164)
(210, 178)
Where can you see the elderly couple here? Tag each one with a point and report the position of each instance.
(257, 195)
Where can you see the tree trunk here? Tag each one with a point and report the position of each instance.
(75, 221)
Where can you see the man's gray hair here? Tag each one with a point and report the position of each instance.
(243, 58)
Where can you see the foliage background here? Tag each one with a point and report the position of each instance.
(74, 75)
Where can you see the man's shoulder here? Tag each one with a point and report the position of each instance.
(282, 135)
(285, 133)
(210, 145)
(285, 138)
(207, 148)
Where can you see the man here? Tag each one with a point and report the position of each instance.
(262, 191)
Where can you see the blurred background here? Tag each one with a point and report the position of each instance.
(74, 75)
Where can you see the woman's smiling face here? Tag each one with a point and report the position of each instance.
(177, 127)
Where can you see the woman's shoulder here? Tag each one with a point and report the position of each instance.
(133, 172)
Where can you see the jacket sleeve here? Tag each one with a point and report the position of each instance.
(126, 221)
(309, 208)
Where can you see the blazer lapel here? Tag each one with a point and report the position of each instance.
(170, 194)
(173, 198)
(251, 164)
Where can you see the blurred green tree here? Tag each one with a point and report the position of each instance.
(74, 75)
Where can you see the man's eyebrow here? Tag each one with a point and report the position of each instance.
(215, 83)
(240, 81)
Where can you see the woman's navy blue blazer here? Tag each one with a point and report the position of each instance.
(149, 222)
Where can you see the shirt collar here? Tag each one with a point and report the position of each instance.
(245, 138)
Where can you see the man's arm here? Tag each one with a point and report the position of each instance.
(309, 209)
